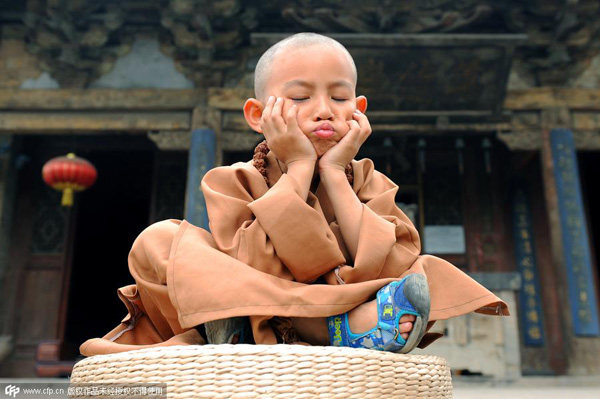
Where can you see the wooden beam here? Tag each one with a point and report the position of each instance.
(553, 119)
(240, 141)
(101, 99)
(526, 99)
(427, 129)
(544, 253)
(516, 100)
(553, 97)
(234, 98)
(228, 99)
(370, 40)
(38, 122)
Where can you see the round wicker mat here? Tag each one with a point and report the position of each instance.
(268, 371)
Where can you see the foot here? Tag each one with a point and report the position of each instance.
(406, 324)
(364, 318)
(398, 318)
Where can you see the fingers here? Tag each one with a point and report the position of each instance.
(264, 120)
(271, 117)
(354, 129)
(352, 138)
(365, 127)
(276, 115)
(292, 118)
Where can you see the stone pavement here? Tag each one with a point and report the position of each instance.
(564, 387)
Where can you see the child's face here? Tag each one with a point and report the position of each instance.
(320, 81)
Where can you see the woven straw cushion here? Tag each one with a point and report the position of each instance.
(272, 371)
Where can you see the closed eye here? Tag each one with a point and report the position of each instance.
(300, 99)
(339, 99)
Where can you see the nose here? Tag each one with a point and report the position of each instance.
(322, 110)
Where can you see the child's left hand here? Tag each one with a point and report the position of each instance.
(345, 150)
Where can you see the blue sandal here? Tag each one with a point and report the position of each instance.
(407, 296)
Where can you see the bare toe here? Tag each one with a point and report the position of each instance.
(406, 327)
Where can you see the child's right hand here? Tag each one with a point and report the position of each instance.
(285, 138)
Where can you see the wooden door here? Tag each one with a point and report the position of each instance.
(40, 258)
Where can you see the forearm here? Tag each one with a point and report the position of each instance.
(299, 233)
(302, 172)
(346, 206)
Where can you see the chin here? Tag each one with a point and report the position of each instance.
(322, 147)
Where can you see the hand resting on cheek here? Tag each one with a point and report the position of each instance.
(284, 136)
(338, 156)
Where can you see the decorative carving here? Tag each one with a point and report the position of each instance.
(205, 36)
(563, 36)
(389, 17)
(76, 40)
(79, 40)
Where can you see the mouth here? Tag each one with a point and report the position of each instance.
(324, 131)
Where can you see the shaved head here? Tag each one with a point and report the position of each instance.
(297, 41)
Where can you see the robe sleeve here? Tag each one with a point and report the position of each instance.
(388, 242)
(272, 230)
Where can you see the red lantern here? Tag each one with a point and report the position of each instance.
(69, 174)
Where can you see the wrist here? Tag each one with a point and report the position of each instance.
(331, 169)
(327, 165)
(333, 175)
(302, 172)
(301, 165)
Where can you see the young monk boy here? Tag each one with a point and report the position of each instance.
(305, 240)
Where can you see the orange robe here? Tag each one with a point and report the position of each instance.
(266, 248)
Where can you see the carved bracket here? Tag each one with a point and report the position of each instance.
(76, 41)
(387, 16)
(171, 140)
(204, 37)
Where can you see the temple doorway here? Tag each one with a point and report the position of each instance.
(110, 215)
(589, 165)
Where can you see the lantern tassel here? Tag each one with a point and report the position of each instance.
(67, 197)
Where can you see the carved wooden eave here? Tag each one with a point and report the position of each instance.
(75, 41)
(205, 37)
(411, 16)
(78, 41)
(464, 76)
(563, 35)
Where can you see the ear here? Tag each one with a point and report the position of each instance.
(253, 112)
(361, 104)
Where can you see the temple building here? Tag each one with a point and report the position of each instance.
(486, 114)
